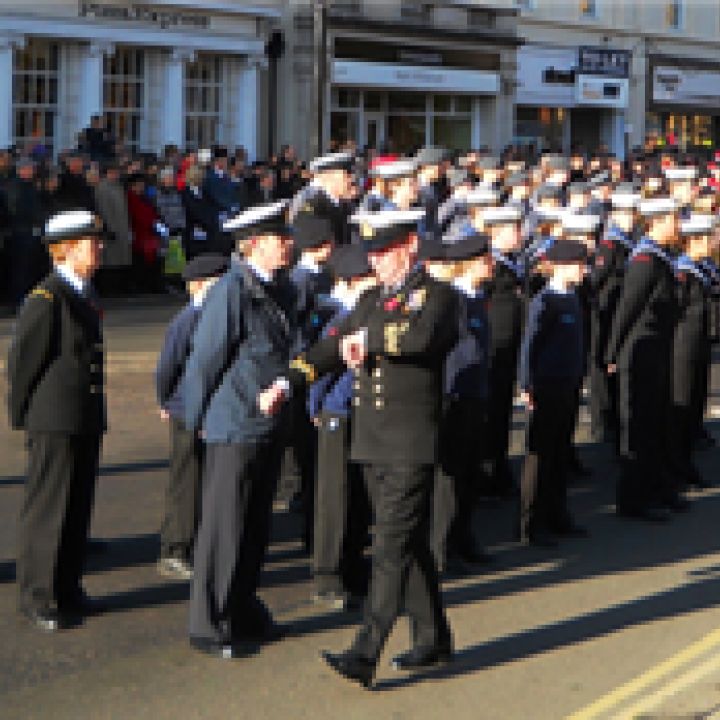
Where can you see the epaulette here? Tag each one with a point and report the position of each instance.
(41, 292)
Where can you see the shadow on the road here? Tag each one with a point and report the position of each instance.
(105, 470)
(676, 601)
(146, 597)
(128, 551)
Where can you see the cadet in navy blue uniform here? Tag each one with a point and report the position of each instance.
(57, 396)
(341, 505)
(607, 278)
(506, 306)
(241, 348)
(177, 532)
(313, 237)
(466, 393)
(639, 350)
(690, 344)
(551, 370)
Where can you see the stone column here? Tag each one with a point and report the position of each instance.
(173, 109)
(246, 110)
(91, 95)
(8, 43)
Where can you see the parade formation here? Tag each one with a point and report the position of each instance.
(378, 323)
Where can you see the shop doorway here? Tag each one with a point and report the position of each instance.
(375, 130)
(585, 129)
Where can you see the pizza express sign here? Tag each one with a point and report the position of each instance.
(142, 13)
(604, 61)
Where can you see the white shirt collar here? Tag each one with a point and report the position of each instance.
(71, 278)
(317, 185)
(465, 287)
(556, 287)
(307, 264)
(261, 274)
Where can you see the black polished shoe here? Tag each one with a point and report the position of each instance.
(351, 667)
(421, 658)
(46, 619)
(266, 632)
(652, 515)
(569, 530)
(538, 539)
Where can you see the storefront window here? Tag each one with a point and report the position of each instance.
(374, 100)
(683, 131)
(344, 98)
(124, 95)
(406, 102)
(541, 126)
(203, 91)
(35, 95)
(344, 127)
(406, 132)
(453, 133)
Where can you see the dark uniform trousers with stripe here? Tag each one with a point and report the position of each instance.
(55, 371)
(395, 415)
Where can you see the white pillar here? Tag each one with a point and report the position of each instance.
(173, 110)
(91, 95)
(246, 110)
(7, 46)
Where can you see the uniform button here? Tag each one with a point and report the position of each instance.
(378, 388)
(94, 389)
(356, 401)
(379, 403)
(95, 367)
(377, 372)
(356, 385)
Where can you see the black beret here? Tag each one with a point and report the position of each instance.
(432, 249)
(567, 251)
(349, 261)
(205, 266)
(311, 230)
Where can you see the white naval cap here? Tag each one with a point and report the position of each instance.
(394, 169)
(657, 206)
(271, 217)
(482, 197)
(550, 214)
(380, 230)
(70, 224)
(502, 215)
(698, 224)
(681, 174)
(333, 161)
(579, 223)
(625, 200)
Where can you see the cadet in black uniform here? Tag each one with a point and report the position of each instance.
(689, 345)
(639, 350)
(182, 498)
(607, 278)
(242, 345)
(56, 376)
(396, 339)
(313, 238)
(506, 306)
(466, 393)
(551, 370)
(341, 505)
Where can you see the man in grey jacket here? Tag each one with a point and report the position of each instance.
(242, 344)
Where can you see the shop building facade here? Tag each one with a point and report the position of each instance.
(188, 74)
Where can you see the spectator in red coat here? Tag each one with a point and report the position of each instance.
(146, 241)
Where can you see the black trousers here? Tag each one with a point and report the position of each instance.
(55, 518)
(644, 407)
(303, 440)
(403, 576)
(459, 478)
(238, 488)
(342, 513)
(499, 416)
(543, 487)
(182, 497)
(603, 403)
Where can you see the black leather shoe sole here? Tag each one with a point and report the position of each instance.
(352, 669)
(411, 663)
(49, 621)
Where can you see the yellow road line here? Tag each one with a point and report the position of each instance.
(653, 675)
(684, 681)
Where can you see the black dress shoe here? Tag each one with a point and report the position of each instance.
(267, 632)
(538, 539)
(569, 530)
(351, 667)
(652, 515)
(46, 619)
(421, 658)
